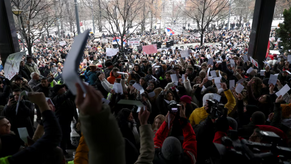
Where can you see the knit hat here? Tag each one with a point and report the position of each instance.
(186, 99)
(232, 123)
(171, 149)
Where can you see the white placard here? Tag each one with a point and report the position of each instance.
(231, 84)
(174, 79)
(213, 73)
(283, 90)
(111, 51)
(289, 58)
(23, 134)
(273, 79)
(70, 73)
(239, 88)
(117, 87)
(11, 66)
(216, 97)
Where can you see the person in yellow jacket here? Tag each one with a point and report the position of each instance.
(199, 114)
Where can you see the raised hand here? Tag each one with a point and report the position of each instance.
(90, 104)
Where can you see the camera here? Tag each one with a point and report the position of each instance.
(233, 150)
(173, 107)
(215, 109)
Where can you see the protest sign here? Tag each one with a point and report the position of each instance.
(62, 43)
(111, 51)
(255, 63)
(11, 67)
(150, 49)
(134, 42)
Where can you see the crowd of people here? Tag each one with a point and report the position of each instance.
(189, 105)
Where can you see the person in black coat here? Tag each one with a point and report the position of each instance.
(23, 117)
(23, 71)
(65, 112)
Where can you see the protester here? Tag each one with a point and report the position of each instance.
(191, 97)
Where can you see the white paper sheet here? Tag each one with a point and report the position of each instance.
(23, 134)
(183, 78)
(216, 97)
(232, 63)
(289, 58)
(273, 79)
(283, 90)
(239, 88)
(245, 58)
(213, 73)
(231, 84)
(117, 87)
(217, 80)
(175, 79)
(138, 87)
(70, 73)
(250, 70)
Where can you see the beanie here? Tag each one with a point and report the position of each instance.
(171, 148)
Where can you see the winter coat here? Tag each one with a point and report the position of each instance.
(111, 78)
(110, 145)
(92, 77)
(81, 156)
(32, 68)
(189, 144)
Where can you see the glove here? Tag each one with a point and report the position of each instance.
(169, 85)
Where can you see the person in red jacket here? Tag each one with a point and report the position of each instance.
(169, 149)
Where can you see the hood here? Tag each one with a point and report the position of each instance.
(206, 97)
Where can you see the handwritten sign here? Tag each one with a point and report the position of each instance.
(134, 42)
(11, 67)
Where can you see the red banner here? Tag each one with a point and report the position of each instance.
(268, 48)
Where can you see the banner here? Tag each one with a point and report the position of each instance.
(134, 42)
(150, 49)
(11, 67)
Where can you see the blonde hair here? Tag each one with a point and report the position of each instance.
(161, 117)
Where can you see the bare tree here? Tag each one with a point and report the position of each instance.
(34, 16)
(206, 11)
(120, 16)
